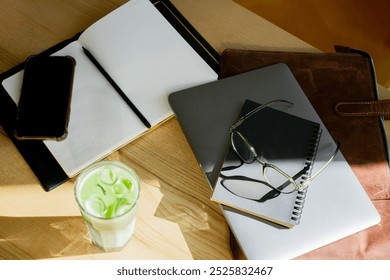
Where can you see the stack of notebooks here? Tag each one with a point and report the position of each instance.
(334, 205)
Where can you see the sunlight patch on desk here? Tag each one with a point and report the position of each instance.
(189, 217)
(43, 237)
(32, 201)
(160, 233)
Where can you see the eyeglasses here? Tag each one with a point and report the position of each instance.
(276, 181)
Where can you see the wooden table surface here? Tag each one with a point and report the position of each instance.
(176, 219)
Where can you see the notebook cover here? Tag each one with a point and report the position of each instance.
(36, 154)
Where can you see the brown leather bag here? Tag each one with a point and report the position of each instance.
(342, 88)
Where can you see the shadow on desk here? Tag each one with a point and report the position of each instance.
(23, 237)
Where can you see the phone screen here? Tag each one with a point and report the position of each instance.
(44, 105)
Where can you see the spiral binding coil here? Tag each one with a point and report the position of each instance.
(312, 152)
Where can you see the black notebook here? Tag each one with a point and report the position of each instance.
(279, 138)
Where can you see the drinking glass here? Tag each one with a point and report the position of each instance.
(107, 194)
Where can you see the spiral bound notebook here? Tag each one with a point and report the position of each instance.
(287, 141)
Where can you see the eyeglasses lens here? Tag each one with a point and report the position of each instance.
(279, 180)
(242, 148)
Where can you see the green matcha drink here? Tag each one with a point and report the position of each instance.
(107, 194)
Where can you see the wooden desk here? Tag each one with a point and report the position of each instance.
(176, 219)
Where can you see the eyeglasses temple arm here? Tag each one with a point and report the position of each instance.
(243, 118)
(309, 180)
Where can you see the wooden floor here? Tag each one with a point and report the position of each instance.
(359, 24)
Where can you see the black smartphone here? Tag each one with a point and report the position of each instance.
(44, 104)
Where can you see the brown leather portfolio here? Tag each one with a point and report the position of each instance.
(342, 88)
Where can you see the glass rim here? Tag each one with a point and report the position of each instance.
(96, 165)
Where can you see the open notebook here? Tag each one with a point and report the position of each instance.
(279, 138)
(336, 204)
(146, 57)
